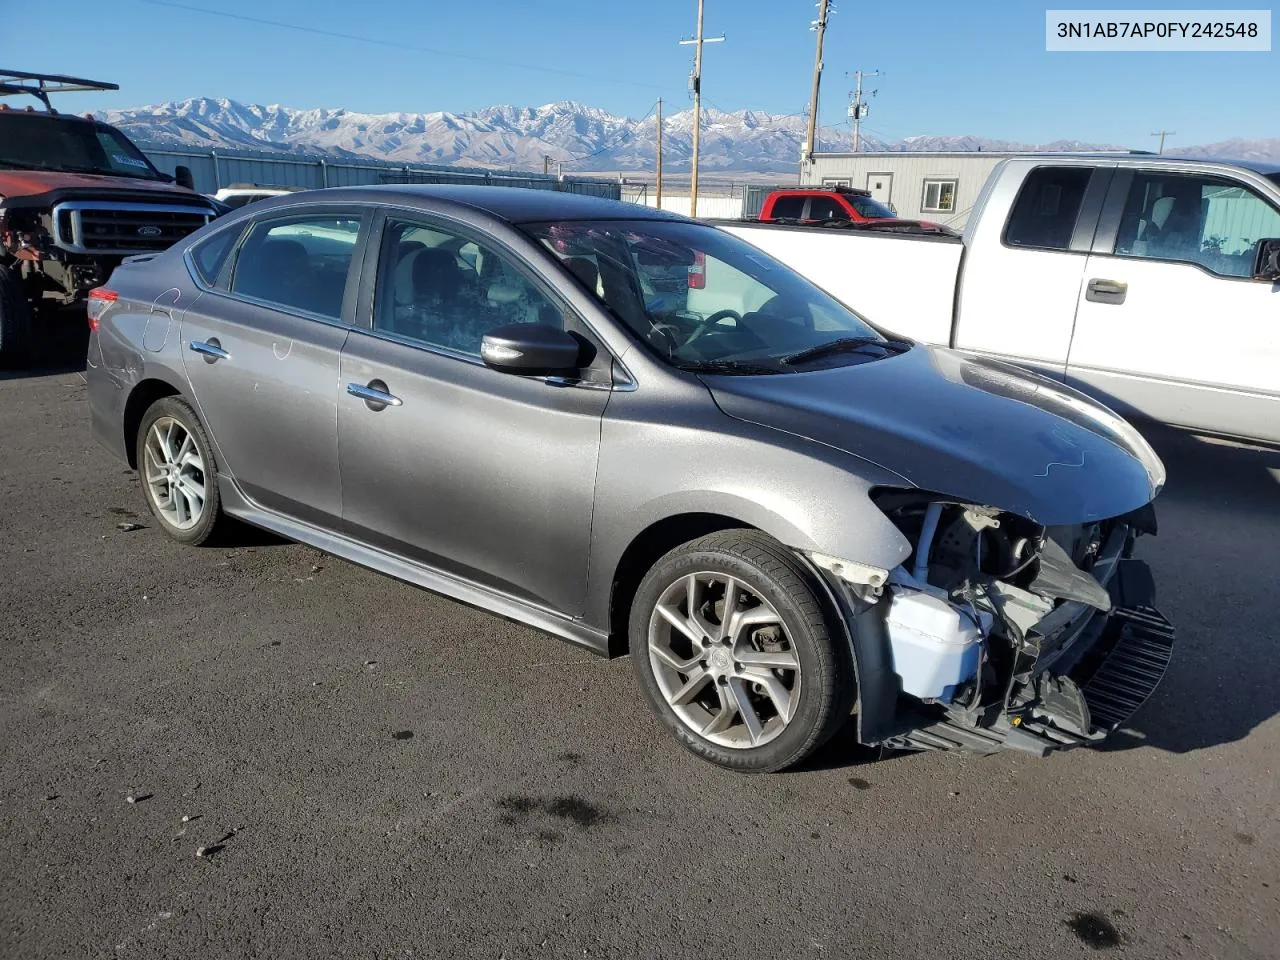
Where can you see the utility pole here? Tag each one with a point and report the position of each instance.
(820, 25)
(546, 164)
(696, 83)
(1162, 134)
(659, 190)
(857, 109)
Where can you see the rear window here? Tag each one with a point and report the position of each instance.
(788, 208)
(1044, 215)
(300, 263)
(210, 254)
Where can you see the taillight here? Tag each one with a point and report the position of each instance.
(698, 272)
(99, 299)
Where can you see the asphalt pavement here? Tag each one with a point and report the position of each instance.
(257, 750)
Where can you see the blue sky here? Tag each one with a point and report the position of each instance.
(949, 68)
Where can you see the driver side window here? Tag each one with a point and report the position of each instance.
(444, 290)
(1214, 223)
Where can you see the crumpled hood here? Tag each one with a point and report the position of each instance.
(24, 183)
(979, 430)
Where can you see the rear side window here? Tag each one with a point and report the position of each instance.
(826, 208)
(788, 207)
(301, 263)
(1044, 215)
(209, 255)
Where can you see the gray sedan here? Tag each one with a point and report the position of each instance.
(639, 433)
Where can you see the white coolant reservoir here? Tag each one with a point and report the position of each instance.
(936, 645)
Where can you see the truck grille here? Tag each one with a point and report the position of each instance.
(103, 227)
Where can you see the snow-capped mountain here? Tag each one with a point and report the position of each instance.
(582, 137)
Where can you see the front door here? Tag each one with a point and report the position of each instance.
(1021, 278)
(1170, 325)
(262, 352)
(881, 187)
(484, 475)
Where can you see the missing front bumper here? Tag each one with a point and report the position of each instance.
(1116, 675)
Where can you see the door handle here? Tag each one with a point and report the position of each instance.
(375, 395)
(1106, 291)
(210, 349)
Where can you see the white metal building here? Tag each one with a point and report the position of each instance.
(941, 187)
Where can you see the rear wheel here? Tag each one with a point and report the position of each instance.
(177, 470)
(15, 319)
(732, 645)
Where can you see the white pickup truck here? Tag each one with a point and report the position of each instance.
(1150, 282)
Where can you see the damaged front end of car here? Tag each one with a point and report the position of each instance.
(999, 632)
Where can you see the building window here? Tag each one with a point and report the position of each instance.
(836, 181)
(939, 196)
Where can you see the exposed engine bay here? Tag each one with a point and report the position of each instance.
(1003, 632)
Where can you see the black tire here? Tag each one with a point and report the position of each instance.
(211, 519)
(776, 576)
(15, 319)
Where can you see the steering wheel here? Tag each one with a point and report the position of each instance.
(706, 325)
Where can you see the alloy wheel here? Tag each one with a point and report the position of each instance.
(174, 472)
(723, 660)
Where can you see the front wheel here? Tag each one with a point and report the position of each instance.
(735, 651)
(177, 470)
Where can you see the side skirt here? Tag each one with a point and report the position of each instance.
(236, 504)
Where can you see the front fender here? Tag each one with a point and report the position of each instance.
(807, 496)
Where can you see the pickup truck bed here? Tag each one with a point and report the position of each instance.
(904, 282)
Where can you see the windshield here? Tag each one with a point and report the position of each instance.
(704, 299)
(34, 141)
(870, 208)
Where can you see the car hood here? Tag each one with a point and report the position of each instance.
(26, 183)
(978, 430)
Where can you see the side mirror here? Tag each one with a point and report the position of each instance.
(1267, 266)
(182, 175)
(530, 348)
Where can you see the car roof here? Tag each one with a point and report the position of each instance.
(512, 204)
(1263, 167)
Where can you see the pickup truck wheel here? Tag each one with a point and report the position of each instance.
(732, 645)
(177, 471)
(15, 319)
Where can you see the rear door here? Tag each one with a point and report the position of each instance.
(484, 475)
(262, 348)
(1021, 278)
(1170, 325)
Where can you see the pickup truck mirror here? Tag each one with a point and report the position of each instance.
(182, 175)
(1267, 266)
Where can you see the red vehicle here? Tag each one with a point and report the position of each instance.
(76, 198)
(831, 204)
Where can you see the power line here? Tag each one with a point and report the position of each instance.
(397, 44)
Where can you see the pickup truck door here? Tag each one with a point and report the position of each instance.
(1021, 276)
(1170, 326)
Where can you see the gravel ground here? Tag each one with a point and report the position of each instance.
(259, 750)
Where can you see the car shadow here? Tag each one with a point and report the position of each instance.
(1217, 566)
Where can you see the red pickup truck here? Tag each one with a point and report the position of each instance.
(822, 205)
